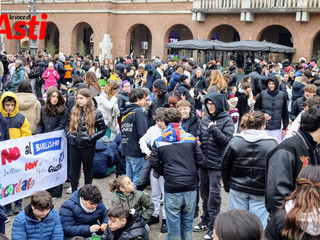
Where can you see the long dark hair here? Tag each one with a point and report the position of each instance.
(306, 200)
(57, 109)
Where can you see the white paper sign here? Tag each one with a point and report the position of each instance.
(31, 164)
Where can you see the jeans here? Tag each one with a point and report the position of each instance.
(3, 80)
(84, 155)
(253, 203)
(180, 208)
(134, 166)
(210, 187)
(157, 189)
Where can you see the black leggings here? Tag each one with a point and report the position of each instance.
(78, 155)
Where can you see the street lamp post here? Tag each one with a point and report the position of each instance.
(34, 47)
(29, 7)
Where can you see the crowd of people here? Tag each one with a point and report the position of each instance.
(186, 129)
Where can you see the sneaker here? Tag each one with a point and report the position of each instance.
(69, 190)
(200, 227)
(208, 236)
(6, 221)
(164, 228)
(17, 207)
(153, 220)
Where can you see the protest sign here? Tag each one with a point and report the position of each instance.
(31, 164)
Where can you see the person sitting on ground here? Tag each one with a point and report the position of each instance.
(124, 224)
(126, 193)
(38, 220)
(83, 213)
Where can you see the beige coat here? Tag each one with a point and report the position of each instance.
(30, 107)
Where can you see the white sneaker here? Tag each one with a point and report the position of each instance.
(8, 220)
(69, 190)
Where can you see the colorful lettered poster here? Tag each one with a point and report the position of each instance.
(31, 164)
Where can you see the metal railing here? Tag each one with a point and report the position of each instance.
(257, 5)
(221, 4)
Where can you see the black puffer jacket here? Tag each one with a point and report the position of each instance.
(81, 139)
(134, 229)
(258, 81)
(244, 162)
(49, 123)
(297, 107)
(215, 138)
(123, 101)
(273, 103)
(60, 69)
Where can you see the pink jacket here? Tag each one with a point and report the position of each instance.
(51, 80)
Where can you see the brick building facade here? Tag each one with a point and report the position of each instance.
(116, 27)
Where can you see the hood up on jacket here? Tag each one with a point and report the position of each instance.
(16, 108)
(273, 78)
(27, 100)
(257, 68)
(311, 224)
(219, 101)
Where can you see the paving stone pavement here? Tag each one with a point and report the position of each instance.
(102, 184)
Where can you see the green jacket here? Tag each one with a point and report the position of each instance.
(137, 200)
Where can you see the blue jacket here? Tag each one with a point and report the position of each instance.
(26, 226)
(75, 221)
(3, 218)
(173, 81)
(103, 159)
(4, 129)
(297, 91)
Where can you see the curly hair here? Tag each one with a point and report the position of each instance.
(91, 193)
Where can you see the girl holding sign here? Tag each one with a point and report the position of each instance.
(53, 118)
(86, 127)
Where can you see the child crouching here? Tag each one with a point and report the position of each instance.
(124, 224)
(126, 193)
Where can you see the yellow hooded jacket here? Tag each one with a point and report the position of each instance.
(18, 124)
